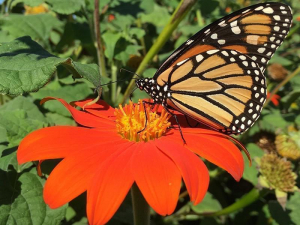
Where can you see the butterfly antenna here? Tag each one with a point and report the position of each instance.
(130, 72)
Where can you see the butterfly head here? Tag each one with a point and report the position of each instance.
(157, 93)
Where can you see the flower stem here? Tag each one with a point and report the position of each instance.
(282, 83)
(246, 200)
(100, 54)
(180, 12)
(141, 209)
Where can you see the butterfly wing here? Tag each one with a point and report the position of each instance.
(256, 31)
(223, 89)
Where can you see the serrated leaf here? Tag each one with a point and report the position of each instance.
(209, 204)
(38, 26)
(18, 124)
(66, 7)
(90, 72)
(21, 201)
(26, 67)
(28, 106)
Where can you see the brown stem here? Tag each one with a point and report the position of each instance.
(100, 54)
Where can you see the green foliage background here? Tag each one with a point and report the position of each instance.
(52, 51)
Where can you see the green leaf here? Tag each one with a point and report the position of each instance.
(278, 213)
(123, 22)
(3, 135)
(272, 120)
(21, 201)
(66, 7)
(209, 204)
(138, 32)
(90, 72)
(110, 40)
(19, 117)
(291, 97)
(129, 50)
(18, 124)
(25, 104)
(38, 26)
(68, 93)
(56, 119)
(281, 60)
(149, 72)
(293, 207)
(26, 67)
(30, 3)
(159, 16)
(251, 173)
(8, 158)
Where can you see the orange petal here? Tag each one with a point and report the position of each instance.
(157, 177)
(193, 170)
(83, 118)
(100, 109)
(215, 148)
(60, 141)
(110, 185)
(74, 174)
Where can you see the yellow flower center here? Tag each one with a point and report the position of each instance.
(131, 121)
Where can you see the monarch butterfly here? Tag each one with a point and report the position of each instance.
(216, 76)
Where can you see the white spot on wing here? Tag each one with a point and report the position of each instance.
(268, 10)
(199, 57)
(221, 42)
(276, 17)
(212, 51)
(233, 24)
(214, 36)
(261, 50)
(259, 8)
(245, 63)
(183, 61)
(225, 53)
(188, 42)
(236, 30)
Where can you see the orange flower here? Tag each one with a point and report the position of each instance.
(109, 154)
(275, 99)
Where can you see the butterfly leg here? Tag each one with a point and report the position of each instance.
(176, 119)
(188, 122)
(146, 119)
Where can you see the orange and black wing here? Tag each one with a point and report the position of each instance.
(223, 89)
(256, 31)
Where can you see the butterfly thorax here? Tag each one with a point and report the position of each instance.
(156, 92)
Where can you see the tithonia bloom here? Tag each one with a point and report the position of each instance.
(112, 150)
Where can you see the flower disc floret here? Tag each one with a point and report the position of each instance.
(131, 122)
